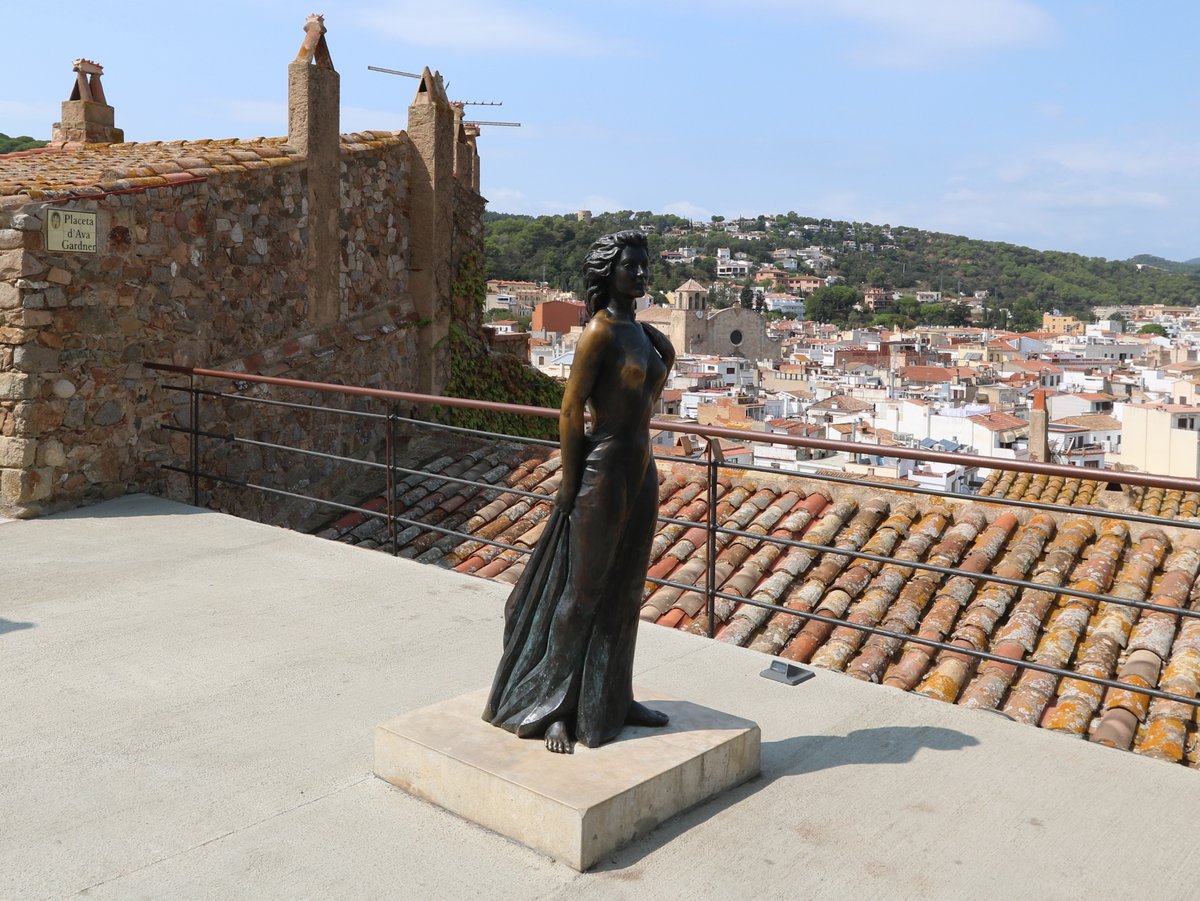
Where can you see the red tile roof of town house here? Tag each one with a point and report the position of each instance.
(999, 422)
(90, 169)
(1186, 366)
(841, 403)
(1074, 549)
(1091, 421)
(1165, 408)
(1019, 379)
(1095, 395)
(935, 373)
(1037, 366)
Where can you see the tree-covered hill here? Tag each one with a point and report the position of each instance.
(24, 142)
(1188, 267)
(552, 248)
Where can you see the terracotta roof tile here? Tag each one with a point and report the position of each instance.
(82, 169)
(1075, 548)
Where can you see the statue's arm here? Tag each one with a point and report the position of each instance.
(589, 355)
(660, 343)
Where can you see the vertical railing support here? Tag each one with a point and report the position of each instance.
(710, 588)
(391, 478)
(194, 397)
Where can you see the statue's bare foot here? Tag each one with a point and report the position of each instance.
(641, 715)
(557, 739)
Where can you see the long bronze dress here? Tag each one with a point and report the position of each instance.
(571, 622)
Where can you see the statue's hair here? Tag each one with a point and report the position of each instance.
(598, 265)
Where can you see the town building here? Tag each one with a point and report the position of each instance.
(246, 255)
(693, 328)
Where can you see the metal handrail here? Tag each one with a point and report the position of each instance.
(712, 463)
(902, 453)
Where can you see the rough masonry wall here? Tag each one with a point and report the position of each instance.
(208, 273)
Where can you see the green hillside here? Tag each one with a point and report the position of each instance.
(1189, 267)
(552, 248)
(24, 142)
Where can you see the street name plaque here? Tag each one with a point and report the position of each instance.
(70, 231)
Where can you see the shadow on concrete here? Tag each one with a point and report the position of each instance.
(881, 745)
(797, 756)
(131, 505)
(8, 625)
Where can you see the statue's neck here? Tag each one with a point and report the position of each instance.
(621, 308)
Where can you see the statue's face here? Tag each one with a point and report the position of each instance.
(629, 272)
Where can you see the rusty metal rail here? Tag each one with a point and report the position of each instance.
(712, 463)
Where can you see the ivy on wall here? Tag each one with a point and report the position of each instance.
(478, 373)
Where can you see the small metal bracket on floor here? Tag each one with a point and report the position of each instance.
(788, 673)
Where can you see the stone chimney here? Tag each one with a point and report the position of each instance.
(313, 108)
(431, 128)
(86, 117)
(466, 158)
(1039, 428)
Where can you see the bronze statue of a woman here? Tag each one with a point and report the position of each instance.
(571, 622)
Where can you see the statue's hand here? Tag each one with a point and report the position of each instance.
(564, 503)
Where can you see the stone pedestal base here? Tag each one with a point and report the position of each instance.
(575, 807)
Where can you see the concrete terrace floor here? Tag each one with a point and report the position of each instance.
(187, 702)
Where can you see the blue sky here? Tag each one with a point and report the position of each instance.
(1072, 125)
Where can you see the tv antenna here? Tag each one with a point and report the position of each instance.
(399, 72)
(393, 72)
(464, 102)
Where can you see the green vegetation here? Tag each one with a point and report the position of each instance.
(551, 249)
(1153, 328)
(478, 374)
(1022, 283)
(1190, 267)
(24, 142)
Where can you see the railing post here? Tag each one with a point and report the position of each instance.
(391, 477)
(710, 589)
(194, 395)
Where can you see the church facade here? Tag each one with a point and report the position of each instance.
(695, 329)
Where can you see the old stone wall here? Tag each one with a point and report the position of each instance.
(210, 272)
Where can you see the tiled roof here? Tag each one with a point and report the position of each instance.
(935, 373)
(998, 422)
(1170, 504)
(1017, 486)
(88, 169)
(1094, 421)
(841, 403)
(1073, 548)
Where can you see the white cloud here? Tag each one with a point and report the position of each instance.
(478, 25)
(1068, 198)
(920, 34)
(688, 210)
(1097, 199)
(952, 24)
(1142, 157)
